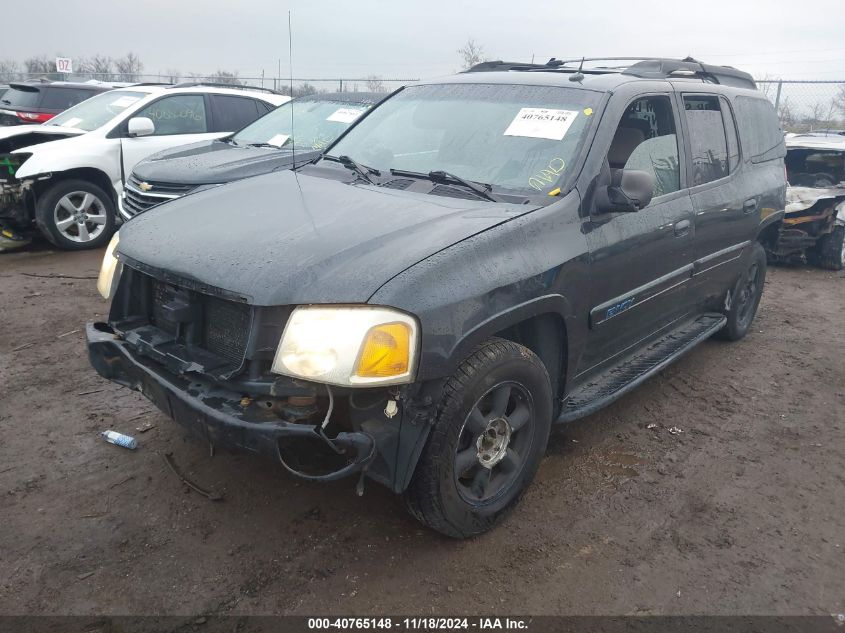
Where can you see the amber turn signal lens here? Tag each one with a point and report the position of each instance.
(386, 351)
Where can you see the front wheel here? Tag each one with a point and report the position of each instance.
(491, 432)
(745, 296)
(75, 215)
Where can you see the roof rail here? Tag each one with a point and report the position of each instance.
(210, 84)
(643, 67)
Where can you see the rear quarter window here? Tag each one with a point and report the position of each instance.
(759, 129)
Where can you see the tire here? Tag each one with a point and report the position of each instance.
(497, 407)
(76, 215)
(829, 252)
(745, 296)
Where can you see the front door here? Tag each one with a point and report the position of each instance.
(178, 119)
(640, 262)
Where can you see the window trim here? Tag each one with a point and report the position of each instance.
(682, 149)
(724, 98)
(688, 145)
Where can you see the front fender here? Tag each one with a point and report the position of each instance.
(66, 154)
(531, 265)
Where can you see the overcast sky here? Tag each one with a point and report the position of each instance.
(403, 39)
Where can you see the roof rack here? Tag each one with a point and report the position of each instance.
(209, 84)
(643, 67)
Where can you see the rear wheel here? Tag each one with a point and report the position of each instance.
(490, 435)
(76, 215)
(745, 296)
(829, 252)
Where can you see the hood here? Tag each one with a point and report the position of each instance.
(210, 162)
(277, 241)
(21, 136)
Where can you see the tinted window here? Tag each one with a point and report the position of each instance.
(759, 129)
(233, 113)
(730, 128)
(645, 140)
(21, 97)
(179, 114)
(64, 98)
(708, 142)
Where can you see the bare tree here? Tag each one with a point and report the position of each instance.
(375, 84)
(128, 68)
(39, 65)
(225, 77)
(99, 66)
(471, 53)
(173, 75)
(9, 70)
(304, 89)
(839, 99)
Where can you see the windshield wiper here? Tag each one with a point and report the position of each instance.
(482, 189)
(264, 145)
(361, 170)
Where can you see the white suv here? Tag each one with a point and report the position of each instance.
(68, 174)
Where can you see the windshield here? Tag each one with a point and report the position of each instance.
(518, 138)
(97, 111)
(315, 124)
(815, 168)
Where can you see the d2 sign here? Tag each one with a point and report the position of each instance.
(64, 65)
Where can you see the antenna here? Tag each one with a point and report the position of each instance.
(290, 78)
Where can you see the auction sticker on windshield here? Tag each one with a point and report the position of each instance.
(345, 115)
(541, 123)
(278, 140)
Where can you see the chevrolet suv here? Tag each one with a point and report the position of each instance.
(477, 258)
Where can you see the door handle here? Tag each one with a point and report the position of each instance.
(749, 206)
(682, 228)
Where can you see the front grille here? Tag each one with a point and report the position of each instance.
(223, 327)
(143, 195)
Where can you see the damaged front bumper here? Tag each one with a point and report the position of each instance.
(221, 418)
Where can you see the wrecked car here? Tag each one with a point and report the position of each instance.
(814, 224)
(477, 258)
(261, 147)
(64, 177)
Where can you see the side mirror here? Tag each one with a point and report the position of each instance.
(629, 190)
(140, 126)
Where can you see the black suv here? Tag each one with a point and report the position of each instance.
(33, 102)
(477, 258)
(261, 147)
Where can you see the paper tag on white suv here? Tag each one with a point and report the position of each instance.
(542, 123)
(345, 115)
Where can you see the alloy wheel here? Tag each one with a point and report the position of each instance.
(80, 216)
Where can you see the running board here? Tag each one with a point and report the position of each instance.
(621, 379)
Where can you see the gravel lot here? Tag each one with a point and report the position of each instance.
(741, 512)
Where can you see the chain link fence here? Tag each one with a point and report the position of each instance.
(807, 106)
(297, 86)
(803, 106)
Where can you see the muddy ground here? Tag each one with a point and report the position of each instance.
(741, 512)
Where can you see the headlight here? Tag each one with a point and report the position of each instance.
(352, 346)
(110, 270)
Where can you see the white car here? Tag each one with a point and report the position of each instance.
(66, 175)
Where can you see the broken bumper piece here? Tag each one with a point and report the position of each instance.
(216, 415)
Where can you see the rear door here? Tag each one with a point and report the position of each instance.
(179, 120)
(726, 206)
(641, 263)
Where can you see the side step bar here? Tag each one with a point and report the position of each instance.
(621, 379)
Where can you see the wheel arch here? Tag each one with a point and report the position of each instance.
(89, 174)
(539, 324)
